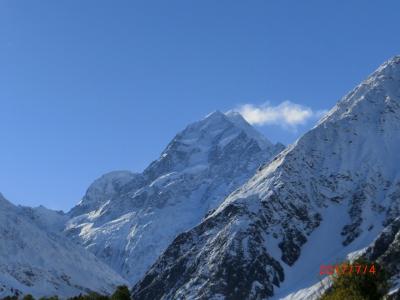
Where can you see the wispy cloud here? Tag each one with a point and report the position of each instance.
(287, 114)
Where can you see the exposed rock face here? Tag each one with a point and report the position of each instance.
(128, 219)
(386, 251)
(330, 193)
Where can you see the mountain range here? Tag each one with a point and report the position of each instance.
(225, 214)
(325, 196)
(129, 219)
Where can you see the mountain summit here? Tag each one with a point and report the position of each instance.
(129, 219)
(327, 195)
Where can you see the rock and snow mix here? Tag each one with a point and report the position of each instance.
(220, 216)
(128, 219)
(327, 195)
(36, 259)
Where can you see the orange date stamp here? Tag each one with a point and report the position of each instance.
(347, 269)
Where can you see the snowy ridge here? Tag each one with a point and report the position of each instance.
(103, 189)
(327, 195)
(43, 263)
(128, 220)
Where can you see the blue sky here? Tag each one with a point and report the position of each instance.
(87, 87)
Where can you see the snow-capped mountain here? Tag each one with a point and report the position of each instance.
(327, 195)
(35, 259)
(128, 219)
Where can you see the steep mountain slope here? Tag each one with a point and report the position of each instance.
(36, 260)
(128, 219)
(386, 251)
(327, 195)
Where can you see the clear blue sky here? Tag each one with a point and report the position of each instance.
(87, 87)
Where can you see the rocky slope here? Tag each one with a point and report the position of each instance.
(329, 194)
(35, 259)
(127, 220)
(386, 251)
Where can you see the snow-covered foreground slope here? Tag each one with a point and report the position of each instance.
(327, 195)
(35, 259)
(128, 220)
(385, 250)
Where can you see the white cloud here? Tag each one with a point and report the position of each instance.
(287, 114)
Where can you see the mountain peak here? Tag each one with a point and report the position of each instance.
(215, 123)
(395, 60)
(194, 145)
(388, 70)
(214, 115)
(239, 121)
(103, 189)
(376, 95)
